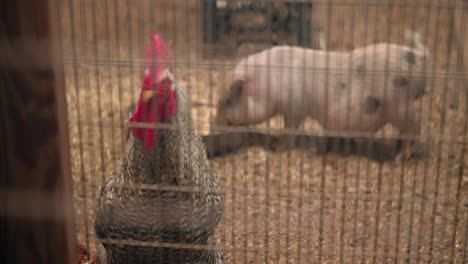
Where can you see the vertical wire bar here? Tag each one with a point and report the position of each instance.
(255, 205)
(175, 54)
(413, 192)
(187, 70)
(282, 69)
(222, 140)
(158, 63)
(266, 241)
(98, 94)
(430, 140)
(324, 157)
(152, 64)
(358, 167)
(197, 80)
(84, 178)
(224, 171)
(392, 168)
(354, 10)
(462, 83)
(369, 144)
(130, 49)
(439, 158)
(211, 99)
(460, 175)
(336, 74)
(119, 75)
(246, 195)
(344, 73)
(98, 88)
(87, 102)
(451, 129)
(175, 71)
(403, 165)
(331, 73)
(175, 49)
(185, 28)
(311, 199)
(141, 34)
(341, 73)
(380, 165)
(109, 88)
(465, 246)
(140, 37)
(200, 28)
(84, 31)
(350, 72)
(368, 140)
(309, 188)
(210, 74)
(267, 160)
(374, 142)
(301, 169)
(289, 200)
(233, 202)
(78, 114)
(165, 18)
(246, 205)
(399, 171)
(153, 10)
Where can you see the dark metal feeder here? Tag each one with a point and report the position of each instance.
(255, 22)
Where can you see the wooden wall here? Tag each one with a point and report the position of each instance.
(36, 206)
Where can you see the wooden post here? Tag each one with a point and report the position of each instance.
(36, 206)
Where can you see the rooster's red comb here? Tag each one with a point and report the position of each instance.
(158, 57)
(157, 102)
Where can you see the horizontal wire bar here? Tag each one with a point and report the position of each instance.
(291, 194)
(407, 3)
(282, 131)
(256, 249)
(90, 62)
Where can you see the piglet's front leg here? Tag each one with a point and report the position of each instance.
(408, 125)
(287, 140)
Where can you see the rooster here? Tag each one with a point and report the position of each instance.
(163, 196)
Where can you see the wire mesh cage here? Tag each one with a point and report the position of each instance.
(340, 187)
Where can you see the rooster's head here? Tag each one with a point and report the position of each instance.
(157, 101)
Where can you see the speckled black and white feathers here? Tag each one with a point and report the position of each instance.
(157, 213)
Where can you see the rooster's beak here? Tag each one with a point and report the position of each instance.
(147, 95)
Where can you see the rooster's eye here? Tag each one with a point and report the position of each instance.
(166, 83)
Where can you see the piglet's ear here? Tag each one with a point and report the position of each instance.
(236, 88)
(240, 86)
